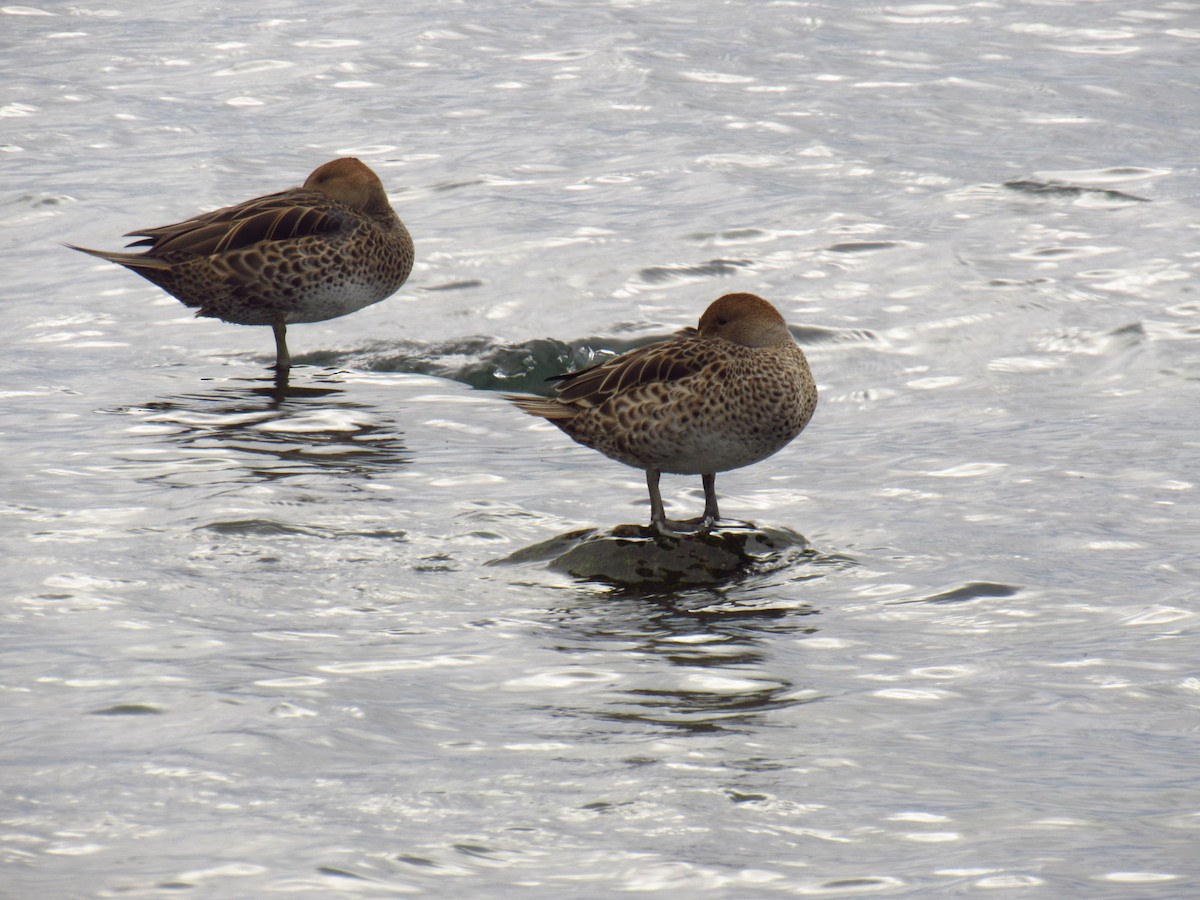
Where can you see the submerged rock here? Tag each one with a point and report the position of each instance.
(637, 556)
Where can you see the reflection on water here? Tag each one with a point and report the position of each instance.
(708, 703)
(270, 431)
(674, 635)
(947, 201)
(688, 621)
(705, 660)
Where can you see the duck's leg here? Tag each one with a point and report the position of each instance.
(283, 360)
(711, 513)
(658, 516)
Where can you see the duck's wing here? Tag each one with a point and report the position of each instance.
(285, 216)
(660, 363)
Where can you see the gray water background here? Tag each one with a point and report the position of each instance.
(257, 647)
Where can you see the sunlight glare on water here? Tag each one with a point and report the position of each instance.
(334, 640)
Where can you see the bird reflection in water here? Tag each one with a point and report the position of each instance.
(707, 652)
(708, 662)
(271, 430)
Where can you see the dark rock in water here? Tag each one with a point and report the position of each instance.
(636, 556)
(1060, 189)
(545, 550)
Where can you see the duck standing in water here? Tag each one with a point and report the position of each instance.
(316, 252)
(724, 395)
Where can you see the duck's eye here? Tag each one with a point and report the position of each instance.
(722, 321)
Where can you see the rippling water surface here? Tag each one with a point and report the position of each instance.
(315, 642)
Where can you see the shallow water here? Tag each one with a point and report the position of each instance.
(311, 642)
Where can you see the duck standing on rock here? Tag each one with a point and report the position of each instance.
(727, 394)
(315, 252)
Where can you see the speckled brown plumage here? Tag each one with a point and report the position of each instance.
(306, 254)
(724, 395)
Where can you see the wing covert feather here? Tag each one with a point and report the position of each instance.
(284, 216)
(655, 364)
